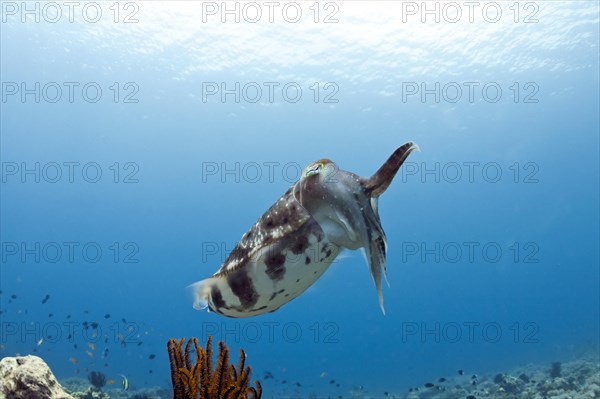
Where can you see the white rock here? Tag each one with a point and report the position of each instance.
(28, 377)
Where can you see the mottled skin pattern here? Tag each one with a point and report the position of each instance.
(296, 240)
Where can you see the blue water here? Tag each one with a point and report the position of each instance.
(493, 228)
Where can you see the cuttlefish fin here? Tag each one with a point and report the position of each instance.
(381, 180)
(375, 254)
(200, 291)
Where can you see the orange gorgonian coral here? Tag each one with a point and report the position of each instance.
(201, 381)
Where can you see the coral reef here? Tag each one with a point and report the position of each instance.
(75, 384)
(555, 370)
(97, 379)
(196, 375)
(201, 381)
(80, 388)
(91, 393)
(28, 377)
(578, 379)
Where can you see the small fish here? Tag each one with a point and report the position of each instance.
(441, 379)
(122, 340)
(90, 354)
(461, 372)
(331, 382)
(73, 360)
(40, 341)
(429, 385)
(152, 356)
(51, 315)
(45, 299)
(94, 325)
(111, 382)
(13, 296)
(298, 384)
(124, 382)
(474, 377)
(92, 346)
(68, 316)
(107, 316)
(474, 382)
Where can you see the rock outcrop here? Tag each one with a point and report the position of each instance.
(28, 377)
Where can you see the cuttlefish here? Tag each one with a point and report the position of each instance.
(294, 242)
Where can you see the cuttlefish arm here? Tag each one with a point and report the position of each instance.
(374, 186)
(345, 207)
(375, 257)
(381, 180)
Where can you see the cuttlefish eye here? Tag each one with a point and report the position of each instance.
(313, 169)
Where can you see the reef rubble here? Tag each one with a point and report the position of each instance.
(577, 379)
